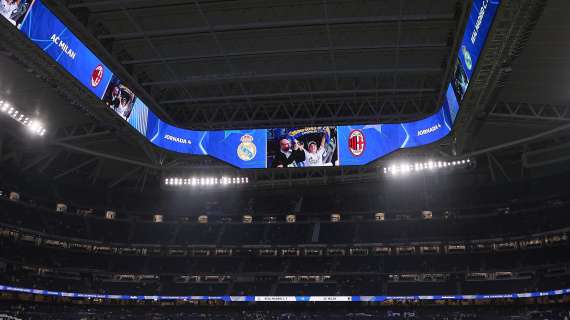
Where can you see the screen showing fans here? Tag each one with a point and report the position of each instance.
(302, 147)
(255, 148)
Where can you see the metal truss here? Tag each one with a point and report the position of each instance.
(279, 52)
(71, 150)
(278, 24)
(188, 91)
(511, 31)
(314, 176)
(249, 76)
(79, 152)
(80, 132)
(531, 112)
(291, 113)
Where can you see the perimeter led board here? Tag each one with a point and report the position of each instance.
(439, 297)
(255, 148)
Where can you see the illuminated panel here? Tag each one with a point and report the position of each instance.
(361, 144)
(257, 148)
(476, 31)
(523, 295)
(47, 32)
(241, 148)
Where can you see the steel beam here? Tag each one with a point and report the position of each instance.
(295, 113)
(190, 58)
(105, 4)
(124, 177)
(227, 60)
(300, 94)
(77, 167)
(277, 25)
(250, 76)
(84, 136)
(529, 111)
(510, 33)
(36, 161)
(518, 142)
(106, 155)
(156, 52)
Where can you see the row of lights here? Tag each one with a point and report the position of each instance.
(205, 181)
(405, 168)
(34, 126)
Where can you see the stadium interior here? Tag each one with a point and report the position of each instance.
(247, 159)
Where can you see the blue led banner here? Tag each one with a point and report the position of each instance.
(287, 298)
(256, 148)
(361, 144)
(46, 31)
(476, 31)
(241, 148)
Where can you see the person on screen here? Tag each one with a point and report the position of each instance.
(13, 10)
(126, 102)
(8, 8)
(287, 156)
(114, 100)
(314, 157)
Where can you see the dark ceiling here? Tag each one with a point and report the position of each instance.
(535, 95)
(267, 63)
(542, 72)
(233, 64)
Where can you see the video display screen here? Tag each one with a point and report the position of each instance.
(302, 147)
(15, 11)
(476, 30)
(47, 32)
(254, 148)
(361, 144)
(241, 148)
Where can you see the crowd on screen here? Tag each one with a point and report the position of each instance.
(14, 10)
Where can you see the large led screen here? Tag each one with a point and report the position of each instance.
(15, 11)
(474, 38)
(361, 144)
(241, 148)
(45, 30)
(255, 148)
(302, 147)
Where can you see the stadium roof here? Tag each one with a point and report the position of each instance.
(257, 64)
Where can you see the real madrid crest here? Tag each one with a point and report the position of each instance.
(246, 150)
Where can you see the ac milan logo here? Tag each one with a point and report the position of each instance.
(96, 76)
(356, 143)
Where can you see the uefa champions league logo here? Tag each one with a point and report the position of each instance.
(467, 57)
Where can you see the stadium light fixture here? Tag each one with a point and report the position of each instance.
(33, 125)
(430, 165)
(205, 181)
